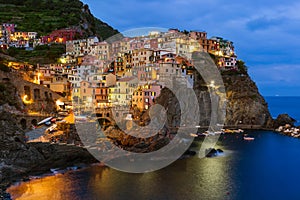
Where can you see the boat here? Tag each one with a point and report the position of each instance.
(248, 138)
(232, 130)
(51, 128)
(228, 131)
(57, 171)
(48, 123)
(239, 131)
(207, 133)
(193, 135)
(44, 121)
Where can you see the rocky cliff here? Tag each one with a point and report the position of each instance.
(18, 158)
(244, 104)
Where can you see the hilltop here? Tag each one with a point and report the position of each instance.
(44, 16)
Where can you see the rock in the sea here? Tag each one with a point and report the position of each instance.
(220, 151)
(212, 152)
(283, 119)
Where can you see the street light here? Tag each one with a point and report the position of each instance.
(212, 84)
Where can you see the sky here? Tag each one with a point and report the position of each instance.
(266, 33)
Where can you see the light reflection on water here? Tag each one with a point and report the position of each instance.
(266, 168)
(192, 178)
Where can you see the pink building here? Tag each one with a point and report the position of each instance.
(144, 97)
(61, 36)
(154, 43)
(9, 27)
(197, 35)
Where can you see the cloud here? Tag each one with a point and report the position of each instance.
(274, 80)
(263, 23)
(283, 74)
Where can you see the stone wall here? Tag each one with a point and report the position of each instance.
(41, 98)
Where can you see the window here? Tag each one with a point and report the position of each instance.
(36, 93)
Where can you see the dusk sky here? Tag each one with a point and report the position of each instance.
(266, 33)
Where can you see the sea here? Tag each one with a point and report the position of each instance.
(284, 105)
(265, 168)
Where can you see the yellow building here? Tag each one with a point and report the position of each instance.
(121, 94)
(61, 85)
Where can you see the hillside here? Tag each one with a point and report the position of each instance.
(44, 16)
(42, 54)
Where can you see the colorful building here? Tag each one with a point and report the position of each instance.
(144, 97)
(61, 36)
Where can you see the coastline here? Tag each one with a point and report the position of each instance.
(4, 195)
(53, 151)
(42, 173)
(50, 156)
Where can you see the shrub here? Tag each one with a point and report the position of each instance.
(4, 68)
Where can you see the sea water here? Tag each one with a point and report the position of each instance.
(266, 168)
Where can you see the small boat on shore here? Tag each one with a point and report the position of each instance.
(45, 121)
(57, 171)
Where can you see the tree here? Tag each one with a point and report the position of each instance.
(242, 67)
(4, 68)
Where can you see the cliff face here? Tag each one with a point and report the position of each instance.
(244, 104)
(18, 158)
(12, 86)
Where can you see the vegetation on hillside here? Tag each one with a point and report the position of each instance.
(241, 67)
(42, 54)
(44, 16)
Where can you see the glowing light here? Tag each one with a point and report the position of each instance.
(38, 80)
(212, 84)
(25, 100)
(59, 103)
(63, 60)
